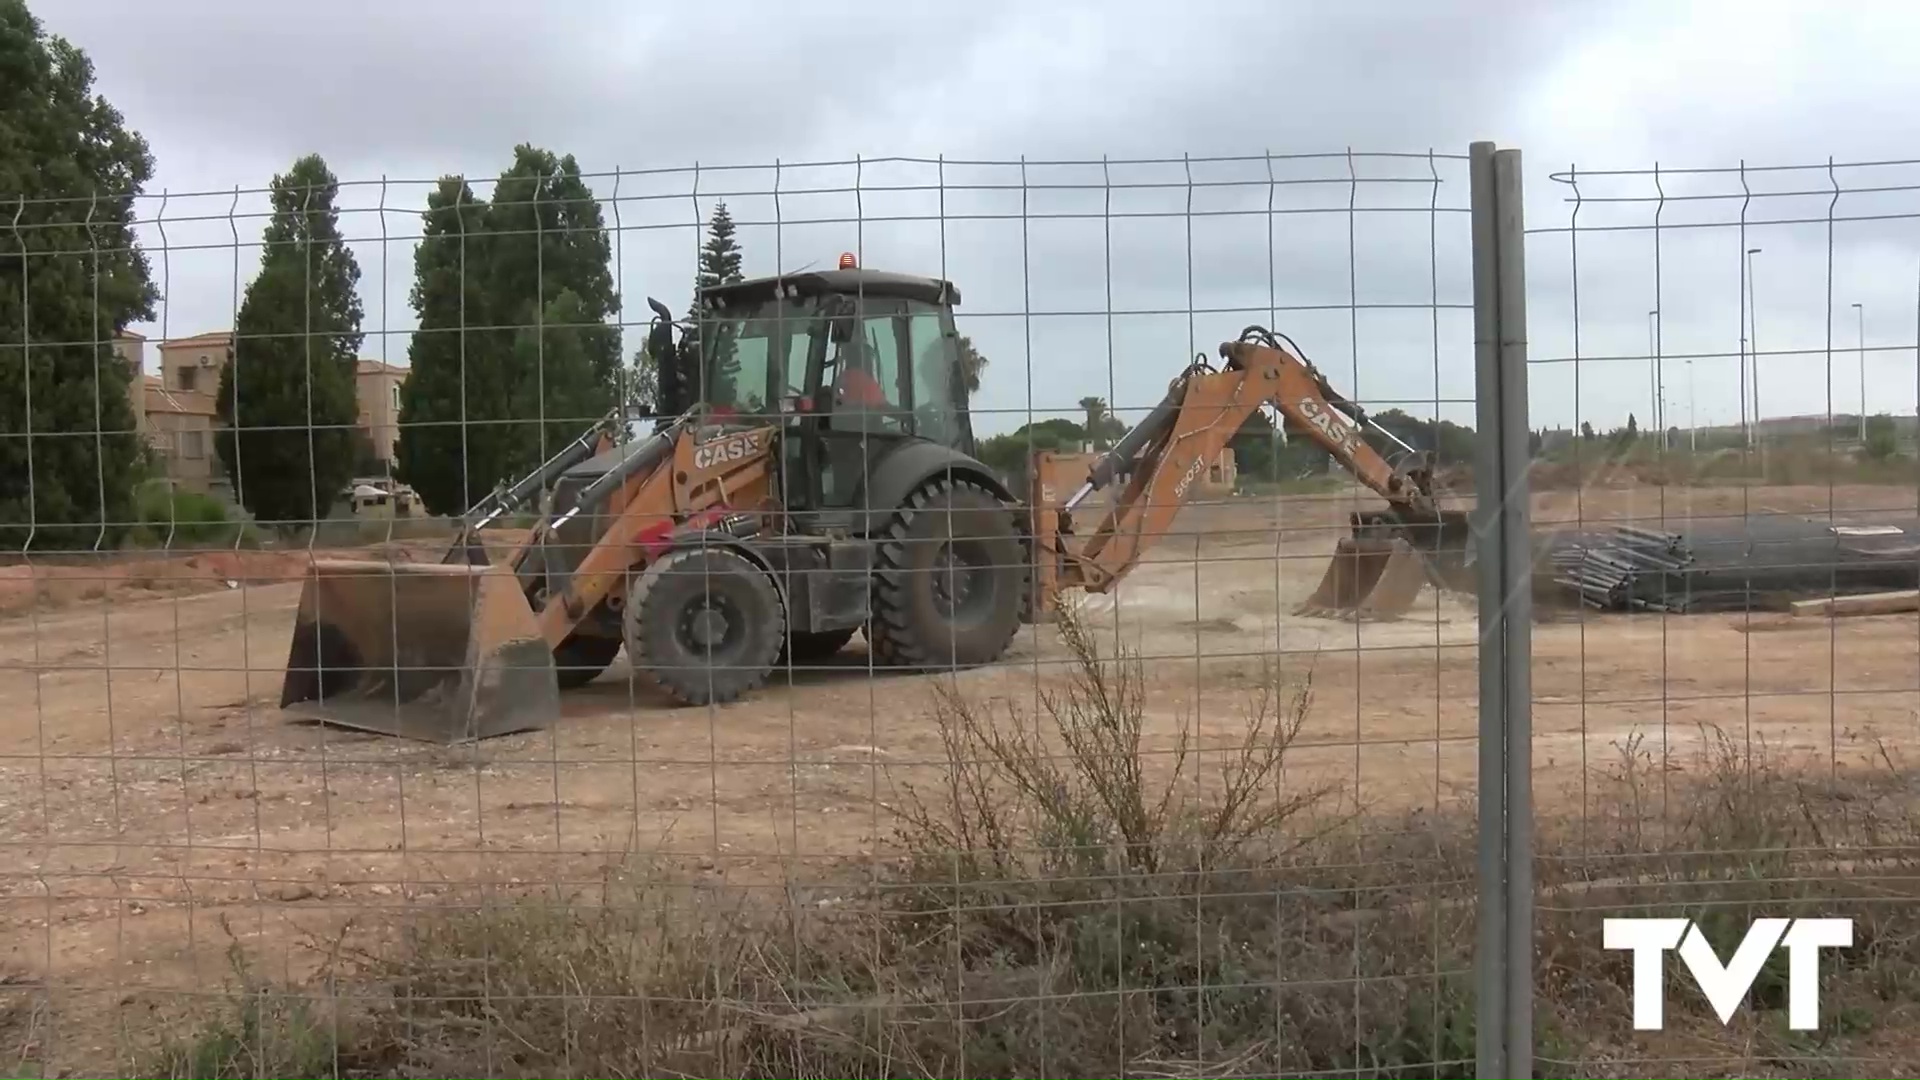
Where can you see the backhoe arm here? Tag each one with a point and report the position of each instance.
(1163, 456)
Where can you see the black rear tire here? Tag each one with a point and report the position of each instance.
(815, 647)
(949, 581)
(704, 625)
(582, 657)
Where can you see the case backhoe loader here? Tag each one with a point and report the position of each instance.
(779, 514)
(822, 482)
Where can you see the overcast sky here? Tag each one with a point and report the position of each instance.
(1362, 260)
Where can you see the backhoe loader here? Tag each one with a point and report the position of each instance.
(822, 482)
(781, 513)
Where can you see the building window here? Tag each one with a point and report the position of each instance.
(193, 444)
(396, 397)
(186, 375)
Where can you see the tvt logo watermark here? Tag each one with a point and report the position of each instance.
(1726, 985)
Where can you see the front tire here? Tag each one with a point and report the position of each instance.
(950, 582)
(704, 625)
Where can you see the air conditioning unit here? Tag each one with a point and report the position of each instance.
(206, 361)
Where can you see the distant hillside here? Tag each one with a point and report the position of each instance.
(1843, 424)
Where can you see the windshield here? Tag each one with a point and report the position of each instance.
(891, 364)
(753, 362)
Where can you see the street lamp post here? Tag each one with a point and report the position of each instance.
(1746, 431)
(1860, 338)
(1653, 373)
(1752, 337)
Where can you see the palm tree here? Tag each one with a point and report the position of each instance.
(971, 365)
(1096, 410)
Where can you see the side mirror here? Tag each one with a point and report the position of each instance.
(839, 309)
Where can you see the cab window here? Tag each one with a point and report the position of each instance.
(740, 367)
(866, 378)
(936, 378)
(746, 359)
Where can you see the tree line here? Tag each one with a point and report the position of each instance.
(517, 348)
(518, 345)
(1262, 453)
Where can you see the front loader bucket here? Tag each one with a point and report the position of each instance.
(1368, 579)
(440, 652)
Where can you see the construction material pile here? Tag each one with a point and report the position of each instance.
(1761, 562)
(1625, 569)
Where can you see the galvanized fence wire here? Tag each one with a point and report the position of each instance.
(1182, 828)
(1723, 390)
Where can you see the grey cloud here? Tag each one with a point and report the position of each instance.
(230, 93)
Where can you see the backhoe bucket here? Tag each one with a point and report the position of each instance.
(1368, 579)
(439, 652)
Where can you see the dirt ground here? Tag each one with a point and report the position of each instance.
(154, 801)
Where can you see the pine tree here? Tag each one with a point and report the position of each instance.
(515, 354)
(71, 170)
(287, 404)
(719, 265)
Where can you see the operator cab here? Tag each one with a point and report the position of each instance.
(853, 362)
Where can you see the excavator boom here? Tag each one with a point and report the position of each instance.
(1157, 463)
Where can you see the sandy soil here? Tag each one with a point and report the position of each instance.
(153, 800)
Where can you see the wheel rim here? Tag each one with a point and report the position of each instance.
(960, 584)
(710, 626)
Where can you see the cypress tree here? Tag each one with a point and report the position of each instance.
(287, 404)
(515, 354)
(72, 278)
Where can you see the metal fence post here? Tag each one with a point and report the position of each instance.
(1502, 547)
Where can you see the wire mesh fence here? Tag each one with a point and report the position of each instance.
(1118, 835)
(817, 740)
(1723, 452)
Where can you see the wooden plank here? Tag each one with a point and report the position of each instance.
(1880, 603)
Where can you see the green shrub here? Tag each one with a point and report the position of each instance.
(268, 1032)
(186, 519)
